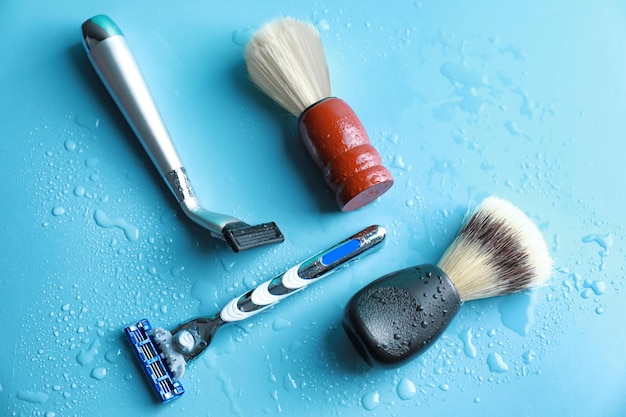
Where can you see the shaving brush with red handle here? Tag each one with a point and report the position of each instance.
(285, 59)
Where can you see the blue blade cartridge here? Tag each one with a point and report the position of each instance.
(148, 353)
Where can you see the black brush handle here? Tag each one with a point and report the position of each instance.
(398, 316)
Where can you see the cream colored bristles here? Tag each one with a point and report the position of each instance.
(285, 59)
(498, 251)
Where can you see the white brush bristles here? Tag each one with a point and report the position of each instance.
(285, 59)
(498, 251)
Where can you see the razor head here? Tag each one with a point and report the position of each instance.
(241, 236)
(149, 355)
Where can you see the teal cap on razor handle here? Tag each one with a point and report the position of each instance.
(97, 29)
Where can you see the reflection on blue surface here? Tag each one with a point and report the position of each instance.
(524, 101)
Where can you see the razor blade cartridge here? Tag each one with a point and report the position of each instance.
(148, 353)
(241, 236)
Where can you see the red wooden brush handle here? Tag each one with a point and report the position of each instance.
(337, 141)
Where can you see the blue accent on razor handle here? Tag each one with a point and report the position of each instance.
(115, 64)
(149, 356)
(341, 251)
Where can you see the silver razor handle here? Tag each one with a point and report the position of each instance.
(116, 66)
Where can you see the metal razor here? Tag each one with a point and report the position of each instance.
(116, 66)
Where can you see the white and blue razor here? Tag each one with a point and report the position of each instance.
(164, 354)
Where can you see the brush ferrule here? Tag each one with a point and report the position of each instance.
(400, 315)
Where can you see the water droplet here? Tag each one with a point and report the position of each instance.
(102, 220)
(370, 400)
(58, 211)
(167, 217)
(586, 293)
(512, 127)
(87, 120)
(599, 310)
(92, 162)
(487, 166)
(227, 264)
(70, 145)
(598, 287)
(468, 346)
(529, 356)
(87, 355)
(406, 389)
(393, 138)
(444, 387)
(322, 24)
(32, 396)
(467, 84)
(496, 363)
(98, 373)
(280, 324)
(112, 355)
(528, 106)
(398, 162)
(242, 36)
(79, 191)
(289, 383)
(517, 312)
(177, 271)
(605, 241)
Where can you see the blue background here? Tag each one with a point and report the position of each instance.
(524, 100)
